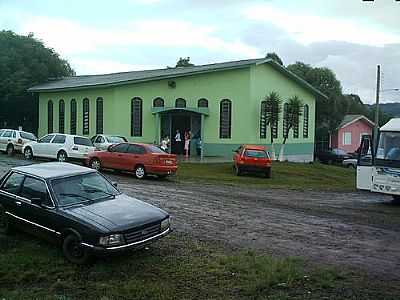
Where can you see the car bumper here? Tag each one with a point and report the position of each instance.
(255, 169)
(161, 170)
(136, 245)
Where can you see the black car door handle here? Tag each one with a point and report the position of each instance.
(18, 203)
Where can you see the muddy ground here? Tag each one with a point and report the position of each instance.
(356, 231)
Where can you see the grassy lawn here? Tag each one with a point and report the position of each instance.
(174, 268)
(284, 175)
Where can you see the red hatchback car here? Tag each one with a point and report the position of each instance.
(252, 159)
(142, 159)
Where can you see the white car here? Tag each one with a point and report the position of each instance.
(103, 141)
(59, 146)
(13, 140)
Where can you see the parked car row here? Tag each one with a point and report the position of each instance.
(99, 152)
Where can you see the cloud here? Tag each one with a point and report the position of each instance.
(71, 37)
(307, 28)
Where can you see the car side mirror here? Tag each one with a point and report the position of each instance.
(109, 148)
(115, 184)
(36, 201)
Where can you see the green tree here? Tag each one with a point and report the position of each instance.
(24, 62)
(329, 112)
(273, 109)
(275, 57)
(291, 117)
(184, 62)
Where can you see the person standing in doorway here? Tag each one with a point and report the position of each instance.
(178, 142)
(187, 143)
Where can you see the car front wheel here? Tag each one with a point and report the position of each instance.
(10, 150)
(28, 153)
(74, 251)
(268, 173)
(140, 172)
(95, 164)
(237, 170)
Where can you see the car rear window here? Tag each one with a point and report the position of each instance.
(82, 141)
(256, 153)
(27, 136)
(154, 149)
(116, 139)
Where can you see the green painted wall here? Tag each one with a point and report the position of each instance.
(245, 87)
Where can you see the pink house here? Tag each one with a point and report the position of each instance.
(349, 133)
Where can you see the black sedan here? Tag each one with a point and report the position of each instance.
(79, 208)
(331, 156)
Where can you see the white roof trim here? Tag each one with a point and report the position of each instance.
(357, 119)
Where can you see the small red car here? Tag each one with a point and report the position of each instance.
(142, 159)
(252, 159)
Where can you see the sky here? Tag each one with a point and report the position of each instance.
(349, 36)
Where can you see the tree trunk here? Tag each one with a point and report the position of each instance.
(282, 151)
(273, 155)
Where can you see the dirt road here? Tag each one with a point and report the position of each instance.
(353, 230)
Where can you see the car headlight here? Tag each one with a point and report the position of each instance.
(165, 224)
(111, 240)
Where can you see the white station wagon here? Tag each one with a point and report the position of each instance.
(13, 140)
(59, 146)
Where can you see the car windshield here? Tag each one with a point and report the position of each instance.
(27, 136)
(389, 146)
(154, 149)
(116, 139)
(82, 188)
(256, 153)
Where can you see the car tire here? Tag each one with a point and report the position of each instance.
(73, 251)
(95, 164)
(10, 150)
(28, 154)
(4, 221)
(140, 172)
(268, 173)
(62, 156)
(237, 170)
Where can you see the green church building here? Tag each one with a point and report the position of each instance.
(221, 103)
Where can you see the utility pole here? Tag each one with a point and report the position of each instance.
(378, 88)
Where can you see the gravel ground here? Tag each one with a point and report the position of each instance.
(356, 231)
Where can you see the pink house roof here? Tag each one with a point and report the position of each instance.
(350, 119)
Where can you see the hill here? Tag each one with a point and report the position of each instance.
(392, 109)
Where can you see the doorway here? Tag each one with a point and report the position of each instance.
(182, 121)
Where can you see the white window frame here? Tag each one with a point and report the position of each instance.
(347, 138)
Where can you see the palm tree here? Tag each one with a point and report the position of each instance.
(291, 117)
(273, 108)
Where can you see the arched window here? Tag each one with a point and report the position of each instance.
(50, 116)
(263, 120)
(202, 103)
(180, 103)
(225, 116)
(73, 117)
(136, 117)
(158, 102)
(99, 115)
(305, 122)
(85, 116)
(61, 116)
(285, 120)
